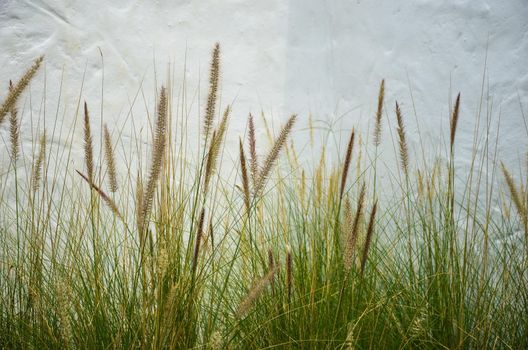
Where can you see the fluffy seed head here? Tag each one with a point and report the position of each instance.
(214, 76)
(454, 122)
(245, 180)
(110, 160)
(39, 162)
(379, 113)
(255, 292)
(370, 232)
(273, 155)
(352, 234)
(253, 161)
(404, 150)
(88, 145)
(346, 165)
(198, 241)
(13, 129)
(158, 152)
(18, 88)
(289, 272)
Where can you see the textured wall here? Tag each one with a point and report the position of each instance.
(323, 57)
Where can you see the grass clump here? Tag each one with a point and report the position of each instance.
(287, 255)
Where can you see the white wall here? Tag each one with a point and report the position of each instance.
(324, 57)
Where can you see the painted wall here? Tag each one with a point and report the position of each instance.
(305, 56)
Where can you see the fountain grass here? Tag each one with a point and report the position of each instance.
(284, 255)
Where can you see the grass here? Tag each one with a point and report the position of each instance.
(286, 255)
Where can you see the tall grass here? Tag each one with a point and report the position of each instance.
(287, 255)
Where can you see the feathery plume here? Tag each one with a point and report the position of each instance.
(214, 75)
(253, 161)
(420, 188)
(158, 151)
(255, 292)
(109, 202)
(210, 161)
(289, 272)
(13, 129)
(352, 234)
(198, 241)
(18, 88)
(271, 266)
(222, 128)
(63, 293)
(454, 122)
(214, 149)
(379, 113)
(368, 239)
(110, 160)
(39, 163)
(274, 154)
(346, 166)
(404, 151)
(88, 145)
(245, 180)
(348, 222)
(311, 128)
(211, 233)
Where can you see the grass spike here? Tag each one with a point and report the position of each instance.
(88, 145)
(368, 240)
(18, 88)
(379, 114)
(110, 160)
(346, 165)
(273, 155)
(404, 149)
(214, 75)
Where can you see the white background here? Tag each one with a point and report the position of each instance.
(304, 56)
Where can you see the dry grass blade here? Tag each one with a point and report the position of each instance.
(88, 145)
(255, 292)
(368, 240)
(13, 129)
(245, 180)
(108, 201)
(253, 161)
(404, 150)
(18, 88)
(214, 76)
(110, 160)
(274, 154)
(39, 163)
(454, 122)
(346, 166)
(158, 151)
(379, 113)
(352, 231)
